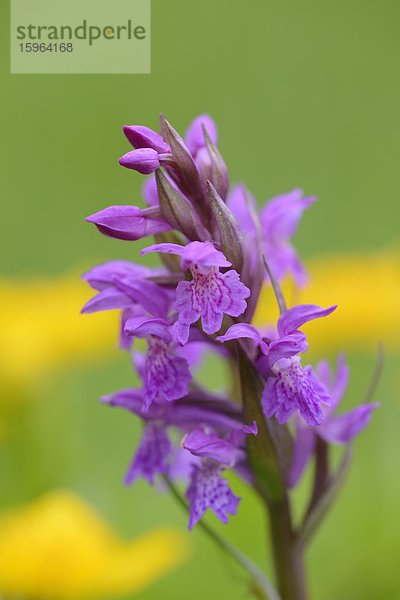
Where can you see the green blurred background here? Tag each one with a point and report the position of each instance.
(305, 94)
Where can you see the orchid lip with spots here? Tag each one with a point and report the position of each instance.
(275, 415)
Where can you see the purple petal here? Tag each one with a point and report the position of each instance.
(126, 223)
(302, 452)
(320, 388)
(144, 160)
(202, 254)
(126, 341)
(277, 400)
(194, 137)
(194, 352)
(209, 445)
(180, 332)
(283, 259)
(295, 317)
(336, 384)
(164, 248)
(238, 435)
(208, 490)
(281, 215)
(343, 428)
(103, 275)
(203, 163)
(243, 207)
(234, 294)
(287, 346)
(151, 456)
(181, 465)
(144, 137)
(133, 400)
(149, 191)
(291, 390)
(148, 294)
(167, 376)
(279, 221)
(129, 399)
(244, 330)
(108, 299)
(142, 327)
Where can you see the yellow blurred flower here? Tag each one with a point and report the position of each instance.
(41, 328)
(367, 290)
(57, 548)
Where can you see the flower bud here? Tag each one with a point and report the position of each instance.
(128, 222)
(144, 160)
(144, 137)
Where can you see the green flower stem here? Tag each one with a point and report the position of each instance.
(287, 553)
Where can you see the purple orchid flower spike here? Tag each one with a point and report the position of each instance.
(279, 220)
(203, 300)
(128, 222)
(210, 294)
(289, 387)
(166, 375)
(340, 429)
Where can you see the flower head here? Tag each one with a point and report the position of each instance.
(126, 286)
(289, 387)
(210, 294)
(166, 375)
(207, 488)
